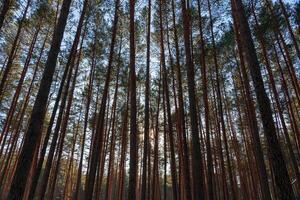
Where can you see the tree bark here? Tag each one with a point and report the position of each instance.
(277, 161)
(197, 165)
(33, 134)
(133, 116)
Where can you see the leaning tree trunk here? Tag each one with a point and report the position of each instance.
(98, 138)
(250, 111)
(282, 180)
(34, 131)
(13, 51)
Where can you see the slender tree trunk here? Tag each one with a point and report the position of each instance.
(110, 173)
(146, 128)
(288, 99)
(98, 139)
(65, 120)
(14, 102)
(62, 119)
(197, 165)
(120, 193)
(182, 129)
(86, 117)
(220, 106)
(13, 50)
(206, 107)
(155, 179)
(286, 18)
(168, 107)
(71, 161)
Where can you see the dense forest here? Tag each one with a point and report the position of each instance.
(150, 99)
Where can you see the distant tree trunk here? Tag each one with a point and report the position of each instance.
(156, 185)
(146, 128)
(276, 157)
(288, 99)
(71, 160)
(237, 150)
(286, 17)
(4, 10)
(289, 65)
(14, 102)
(64, 122)
(33, 133)
(133, 163)
(206, 106)
(197, 165)
(181, 169)
(168, 107)
(286, 54)
(120, 192)
(98, 138)
(218, 141)
(86, 117)
(9, 64)
(244, 132)
(21, 114)
(182, 129)
(220, 107)
(165, 149)
(110, 173)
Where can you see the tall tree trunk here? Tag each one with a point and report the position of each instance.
(33, 133)
(220, 106)
(286, 18)
(4, 10)
(133, 116)
(64, 122)
(277, 101)
(181, 126)
(71, 160)
(147, 93)
(86, 117)
(13, 50)
(14, 102)
(155, 179)
(276, 157)
(168, 107)
(110, 173)
(206, 106)
(250, 111)
(98, 139)
(197, 165)
(120, 192)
